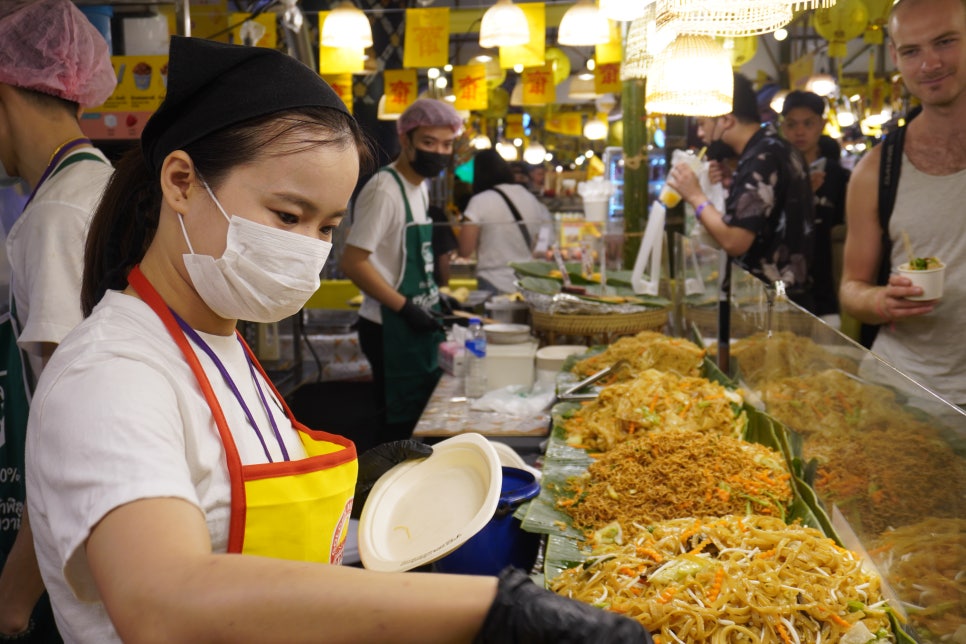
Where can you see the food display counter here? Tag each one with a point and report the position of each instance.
(808, 492)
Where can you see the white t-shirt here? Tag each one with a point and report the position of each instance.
(379, 225)
(118, 416)
(929, 209)
(501, 240)
(46, 250)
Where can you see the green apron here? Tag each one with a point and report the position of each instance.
(14, 403)
(411, 358)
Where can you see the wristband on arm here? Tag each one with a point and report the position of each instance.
(700, 209)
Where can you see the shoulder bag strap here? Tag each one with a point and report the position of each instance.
(516, 215)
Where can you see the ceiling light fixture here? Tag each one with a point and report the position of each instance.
(347, 26)
(504, 25)
(583, 26)
(693, 77)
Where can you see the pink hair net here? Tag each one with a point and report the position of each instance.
(51, 47)
(429, 112)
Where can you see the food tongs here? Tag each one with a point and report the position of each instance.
(573, 392)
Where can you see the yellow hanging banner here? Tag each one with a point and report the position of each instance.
(469, 87)
(341, 84)
(607, 78)
(262, 29)
(612, 50)
(538, 87)
(399, 86)
(566, 123)
(799, 71)
(339, 60)
(209, 20)
(426, 41)
(533, 53)
(513, 128)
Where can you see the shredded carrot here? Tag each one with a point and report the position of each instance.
(648, 552)
(838, 620)
(766, 554)
(625, 570)
(667, 595)
(783, 633)
(716, 585)
(698, 548)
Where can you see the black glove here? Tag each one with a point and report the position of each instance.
(525, 613)
(378, 460)
(418, 318)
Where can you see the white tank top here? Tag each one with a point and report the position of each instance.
(929, 348)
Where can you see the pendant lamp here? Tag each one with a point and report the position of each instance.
(583, 26)
(726, 18)
(643, 42)
(624, 10)
(692, 77)
(347, 26)
(504, 25)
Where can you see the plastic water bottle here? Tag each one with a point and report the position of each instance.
(474, 384)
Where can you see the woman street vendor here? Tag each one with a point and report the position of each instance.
(173, 496)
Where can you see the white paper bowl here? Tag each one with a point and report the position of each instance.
(422, 510)
(507, 333)
(930, 281)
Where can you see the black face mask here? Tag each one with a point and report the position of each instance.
(429, 164)
(719, 151)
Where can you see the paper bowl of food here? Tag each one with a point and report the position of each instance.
(928, 273)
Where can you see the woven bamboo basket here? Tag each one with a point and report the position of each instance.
(598, 327)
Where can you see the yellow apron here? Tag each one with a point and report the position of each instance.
(291, 509)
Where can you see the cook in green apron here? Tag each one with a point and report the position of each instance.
(411, 362)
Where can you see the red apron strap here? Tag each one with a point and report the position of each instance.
(152, 298)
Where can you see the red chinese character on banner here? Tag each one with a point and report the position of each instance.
(468, 86)
(428, 40)
(609, 73)
(399, 93)
(538, 81)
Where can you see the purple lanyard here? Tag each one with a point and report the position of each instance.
(191, 333)
(55, 160)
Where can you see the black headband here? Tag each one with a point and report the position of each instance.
(212, 85)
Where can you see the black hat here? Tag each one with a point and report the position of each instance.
(808, 100)
(212, 85)
(744, 105)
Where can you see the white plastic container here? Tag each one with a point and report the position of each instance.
(510, 364)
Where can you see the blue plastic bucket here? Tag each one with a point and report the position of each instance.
(501, 542)
(100, 16)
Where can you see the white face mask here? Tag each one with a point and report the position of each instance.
(264, 275)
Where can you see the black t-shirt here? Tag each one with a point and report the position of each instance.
(829, 213)
(771, 196)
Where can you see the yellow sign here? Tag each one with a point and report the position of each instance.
(566, 123)
(341, 84)
(613, 50)
(399, 86)
(800, 70)
(142, 82)
(513, 128)
(538, 85)
(531, 54)
(339, 60)
(469, 87)
(427, 38)
(209, 19)
(607, 78)
(263, 28)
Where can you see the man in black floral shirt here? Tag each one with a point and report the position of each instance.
(768, 223)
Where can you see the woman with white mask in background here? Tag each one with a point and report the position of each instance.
(173, 496)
